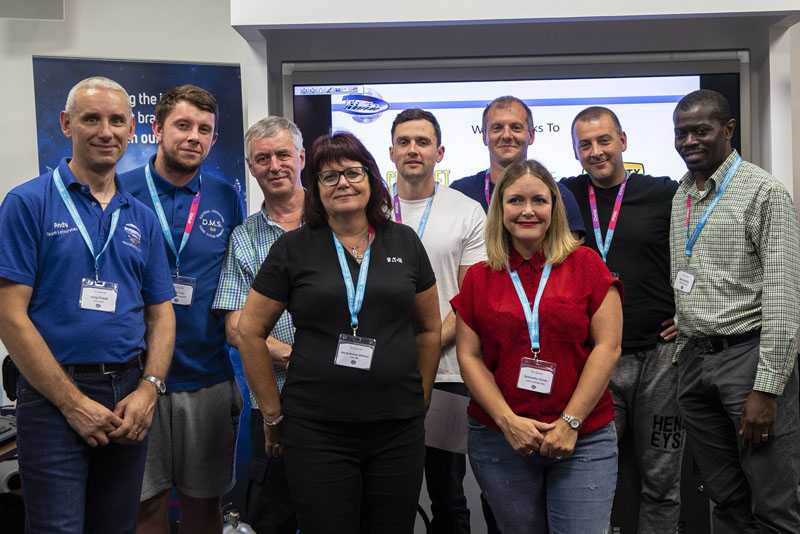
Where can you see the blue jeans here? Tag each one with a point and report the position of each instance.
(536, 495)
(68, 486)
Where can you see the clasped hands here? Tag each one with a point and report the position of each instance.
(528, 436)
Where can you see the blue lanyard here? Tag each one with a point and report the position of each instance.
(532, 315)
(604, 245)
(423, 222)
(355, 297)
(690, 241)
(76, 217)
(162, 217)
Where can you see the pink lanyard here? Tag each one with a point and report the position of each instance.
(604, 245)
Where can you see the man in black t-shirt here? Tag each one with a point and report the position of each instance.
(627, 218)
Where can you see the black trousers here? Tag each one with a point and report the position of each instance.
(362, 477)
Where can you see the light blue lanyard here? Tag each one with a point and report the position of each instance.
(690, 242)
(162, 217)
(355, 297)
(76, 218)
(532, 315)
(423, 222)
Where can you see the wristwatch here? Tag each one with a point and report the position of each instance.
(159, 384)
(573, 422)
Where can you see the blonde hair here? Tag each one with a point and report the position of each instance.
(558, 240)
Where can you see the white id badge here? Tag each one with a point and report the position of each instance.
(184, 290)
(355, 352)
(97, 295)
(684, 281)
(536, 375)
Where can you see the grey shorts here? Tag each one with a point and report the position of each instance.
(193, 442)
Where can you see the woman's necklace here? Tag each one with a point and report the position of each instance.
(356, 250)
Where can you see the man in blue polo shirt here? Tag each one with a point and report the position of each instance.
(508, 132)
(85, 288)
(193, 439)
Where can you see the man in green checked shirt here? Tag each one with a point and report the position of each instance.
(735, 252)
(275, 157)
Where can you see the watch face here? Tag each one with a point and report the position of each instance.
(574, 423)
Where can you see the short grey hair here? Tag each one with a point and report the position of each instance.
(270, 127)
(95, 82)
(505, 102)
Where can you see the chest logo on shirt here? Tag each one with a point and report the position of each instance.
(394, 259)
(133, 236)
(61, 228)
(212, 223)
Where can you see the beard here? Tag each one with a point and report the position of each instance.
(176, 166)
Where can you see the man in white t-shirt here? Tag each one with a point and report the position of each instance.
(450, 226)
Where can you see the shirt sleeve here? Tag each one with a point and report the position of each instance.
(425, 275)
(573, 211)
(599, 279)
(235, 278)
(20, 234)
(779, 249)
(474, 250)
(157, 280)
(273, 279)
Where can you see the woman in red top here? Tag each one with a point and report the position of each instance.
(539, 328)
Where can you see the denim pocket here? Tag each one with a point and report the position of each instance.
(474, 424)
(27, 396)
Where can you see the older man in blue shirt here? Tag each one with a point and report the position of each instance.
(87, 318)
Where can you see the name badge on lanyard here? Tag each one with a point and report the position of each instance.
(423, 222)
(535, 374)
(96, 294)
(684, 280)
(352, 350)
(184, 285)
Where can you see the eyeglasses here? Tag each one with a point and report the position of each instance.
(353, 175)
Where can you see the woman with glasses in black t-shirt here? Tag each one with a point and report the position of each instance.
(362, 296)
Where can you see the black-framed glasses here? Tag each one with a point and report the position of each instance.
(352, 174)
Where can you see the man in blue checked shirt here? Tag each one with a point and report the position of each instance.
(193, 441)
(276, 158)
(86, 314)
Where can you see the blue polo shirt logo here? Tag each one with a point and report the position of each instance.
(61, 228)
(133, 236)
(212, 223)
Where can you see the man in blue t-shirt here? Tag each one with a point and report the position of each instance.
(86, 290)
(193, 441)
(508, 132)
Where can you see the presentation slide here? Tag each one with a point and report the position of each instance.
(643, 105)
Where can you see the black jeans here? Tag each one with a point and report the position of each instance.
(268, 506)
(754, 488)
(444, 478)
(355, 477)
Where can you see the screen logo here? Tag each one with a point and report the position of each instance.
(364, 107)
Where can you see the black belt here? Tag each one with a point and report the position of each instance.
(103, 368)
(720, 343)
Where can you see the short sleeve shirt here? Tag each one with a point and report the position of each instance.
(302, 270)
(201, 356)
(488, 304)
(41, 247)
(247, 249)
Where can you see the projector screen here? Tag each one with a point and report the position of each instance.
(644, 106)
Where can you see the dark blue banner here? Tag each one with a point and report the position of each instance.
(145, 82)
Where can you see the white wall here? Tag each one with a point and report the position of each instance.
(319, 12)
(173, 30)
